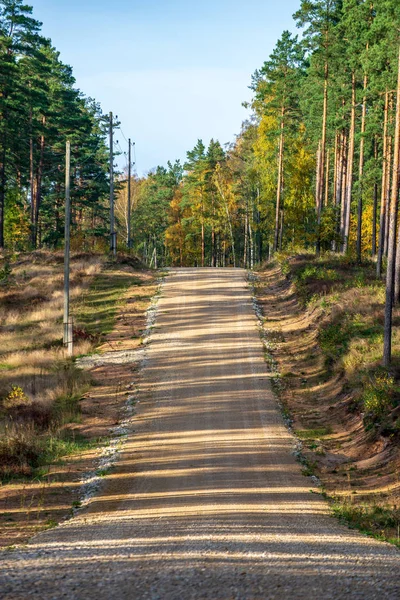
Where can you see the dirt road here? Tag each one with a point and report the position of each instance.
(207, 500)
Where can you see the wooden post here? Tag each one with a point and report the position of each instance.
(129, 193)
(70, 343)
(113, 241)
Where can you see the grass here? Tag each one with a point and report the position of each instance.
(350, 331)
(344, 404)
(379, 521)
(40, 387)
(313, 434)
(97, 310)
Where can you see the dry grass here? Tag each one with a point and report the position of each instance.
(52, 434)
(32, 357)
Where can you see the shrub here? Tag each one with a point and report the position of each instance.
(16, 398)
(378, 396)
(20, 450)
(5, 273)
(334, 340)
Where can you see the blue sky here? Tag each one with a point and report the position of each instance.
(172, 70)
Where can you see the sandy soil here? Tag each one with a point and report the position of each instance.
(207, 500)
(348, 459)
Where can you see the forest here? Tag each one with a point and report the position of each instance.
(40, 108)
(314, 167)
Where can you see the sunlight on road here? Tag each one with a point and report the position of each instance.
(207, 500)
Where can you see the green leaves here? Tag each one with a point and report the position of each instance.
(40, 109)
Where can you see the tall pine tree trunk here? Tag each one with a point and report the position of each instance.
(336, 168)
(396, 296)
(280, 178)
(350, 160)
(328, 166)
(336, 179)
(389, 176)
(2, 189)
(343, 187)
(385, 171)
(375, 204)
(320, 189)
(33, 195)
(202, 244)
(246, 229)
(361, 174)
(317, 197)
(387, 345)
(38, 184)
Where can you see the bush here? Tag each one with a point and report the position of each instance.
(334, 340)
(20, 450)
(16, 398)
(378, 396)
(5, 273)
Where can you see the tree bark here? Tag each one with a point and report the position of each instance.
(317, 198)
(328, 165)
(343, 187)
(389, 177)
(383, 211)
(33, 195)
(336, 168)
(246, 228)
(202, 244)
(280, 178)
(38, 185)
(361, 174)
(396, 294)
(336, 178)
(387, 344)
(228, 216)
(350, 160)
(2, 190)
(375, 205)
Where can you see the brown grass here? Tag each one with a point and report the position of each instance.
(47, 442)
(32, 357)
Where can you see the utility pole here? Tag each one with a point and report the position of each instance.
(113, 241)
(129, 193)
(68, 337)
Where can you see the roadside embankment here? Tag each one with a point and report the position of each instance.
(56, 418)
(323, 318)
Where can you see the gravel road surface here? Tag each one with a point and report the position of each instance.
(207, 500)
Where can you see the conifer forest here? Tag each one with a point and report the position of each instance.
(132, 306)
(315, 166)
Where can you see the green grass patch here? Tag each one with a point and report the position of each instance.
(313, 434)
(97, 311)
(334, 339)
(380, 522)
(56, 447)
(26, 454)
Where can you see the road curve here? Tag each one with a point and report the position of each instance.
(207, 500)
